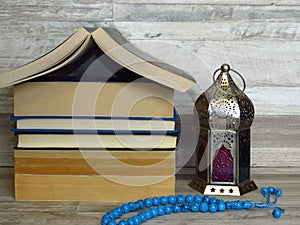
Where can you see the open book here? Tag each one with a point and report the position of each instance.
(111, 42)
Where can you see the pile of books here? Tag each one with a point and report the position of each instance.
(91, 126)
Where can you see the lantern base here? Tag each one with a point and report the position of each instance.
(219, 189)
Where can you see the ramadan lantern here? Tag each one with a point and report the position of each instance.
(225, 115)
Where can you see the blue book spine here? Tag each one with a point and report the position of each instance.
(65, 131)
(82, 131)
(96, 117)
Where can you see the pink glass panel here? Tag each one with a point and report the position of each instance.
(222, 170)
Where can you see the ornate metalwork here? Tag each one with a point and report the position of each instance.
(225, 115)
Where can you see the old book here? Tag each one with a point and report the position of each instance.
(78, 53)
(37, 124)
(92, 75)
(94, 162)
(93, 99)
(93, 175)
(91, 188)
(141, 141)
(47, 61)
(111, 42)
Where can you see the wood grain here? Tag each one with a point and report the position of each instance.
(37, 38)
(213, 2)
(7, 141)
(78, 213)
(193, 12)
(262, 63)
(267, 100)
(56, 10)
(210, 31)
(274, 143)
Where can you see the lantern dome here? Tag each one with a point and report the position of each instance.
(224, 105)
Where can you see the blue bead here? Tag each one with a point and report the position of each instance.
(220, 200)
(126, 208)
(185, 208)
(142, 216)
(148, 202)
(148, 214)
(278, 192)
(264, 191)
(116, 213)
(136, 206)
(131, 206)
(112, 223)
(197, 198)
(213, 200)
(237, 205)
(229, 204)
(141, 204)
(154, 212)
(176, 208)
(212, 207)
(206, 199)
(221, 206)
(161, 210)
(122, 222)
(105, 217)
(189, 198)
(247, 205)
(136, 220)
(155, 201)
(119, 208)
(111, 215)
(195, 207)
(276, 213)
(271, 189)
(203, 207)
(105, 220)
(163, 200)
(130, 221)
(180, 199)
(168, 209)
(172, 199)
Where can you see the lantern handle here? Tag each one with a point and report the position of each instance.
(226, 68)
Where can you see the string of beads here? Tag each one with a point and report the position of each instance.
(159, 206)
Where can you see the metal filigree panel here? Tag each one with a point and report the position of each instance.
(224, 112)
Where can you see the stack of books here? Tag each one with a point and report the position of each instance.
(95, 121)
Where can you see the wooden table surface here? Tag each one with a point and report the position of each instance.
(89, 213)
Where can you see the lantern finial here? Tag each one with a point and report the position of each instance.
(225, 68)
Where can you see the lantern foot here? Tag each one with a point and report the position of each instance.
(220, 189)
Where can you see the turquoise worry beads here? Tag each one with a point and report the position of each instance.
(159, 206)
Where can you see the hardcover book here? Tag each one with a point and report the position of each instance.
(98, 93)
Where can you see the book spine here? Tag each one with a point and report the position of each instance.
(14, 118)
(70, 131)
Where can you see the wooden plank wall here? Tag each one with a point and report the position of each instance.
(260, 39)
